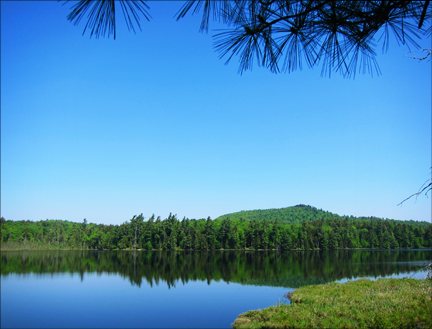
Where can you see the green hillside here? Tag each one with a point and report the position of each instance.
(298, 214)
(300, 227)
(290, 215)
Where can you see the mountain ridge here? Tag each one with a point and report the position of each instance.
(297, 214)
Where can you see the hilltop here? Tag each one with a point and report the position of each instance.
(299, 213)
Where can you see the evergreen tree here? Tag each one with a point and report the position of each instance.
(333, 242)
(209, 233)
(224, 231)
(280, 35)
(324, 241)
(286, 243)
(136, 224)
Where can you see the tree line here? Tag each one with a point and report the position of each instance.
(223, 233)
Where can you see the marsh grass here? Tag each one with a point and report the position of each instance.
(385, 303)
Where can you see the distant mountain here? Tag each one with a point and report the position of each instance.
(290, 215)
(297, 214)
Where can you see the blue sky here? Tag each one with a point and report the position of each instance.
(155, 122)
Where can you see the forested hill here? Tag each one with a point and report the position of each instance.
(224, 233)
(298, 214)
(290, 215)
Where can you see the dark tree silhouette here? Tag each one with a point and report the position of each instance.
(101, 15)
(281, 35)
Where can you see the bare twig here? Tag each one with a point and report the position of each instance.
(428, 187)
(427, 51)
(428, 268)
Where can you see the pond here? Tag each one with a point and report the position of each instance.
(156, 289)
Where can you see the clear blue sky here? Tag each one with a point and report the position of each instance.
(155, 122)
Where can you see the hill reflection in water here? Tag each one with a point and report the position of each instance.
(291, 269)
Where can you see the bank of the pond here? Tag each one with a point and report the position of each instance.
(384, 303)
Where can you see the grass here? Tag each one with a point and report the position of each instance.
(385, 303)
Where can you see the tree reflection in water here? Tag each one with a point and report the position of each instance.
(269, 268)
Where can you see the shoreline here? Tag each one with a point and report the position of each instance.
(209, 250)
(364, 303)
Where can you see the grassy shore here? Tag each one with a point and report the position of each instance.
(385, 303)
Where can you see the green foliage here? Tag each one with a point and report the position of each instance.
(289, 215)
(300, 213)
(299, 227)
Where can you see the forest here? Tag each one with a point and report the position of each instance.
(297, 214)
(314, 232)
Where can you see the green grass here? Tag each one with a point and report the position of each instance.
(385, 303)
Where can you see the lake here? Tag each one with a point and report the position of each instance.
(159, 289)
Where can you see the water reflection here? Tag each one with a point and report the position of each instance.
(263, 268)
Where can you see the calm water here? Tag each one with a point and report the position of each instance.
(106, 289)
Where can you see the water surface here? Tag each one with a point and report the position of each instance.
(107, 289)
